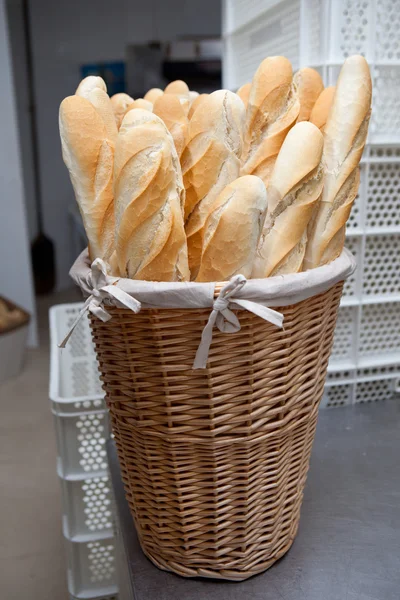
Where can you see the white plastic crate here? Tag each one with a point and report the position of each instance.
(365, 385)
(74, 375)
(81, 439)
(88, 508)
(319, 33)
(91, 569)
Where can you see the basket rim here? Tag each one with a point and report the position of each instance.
(279, 290)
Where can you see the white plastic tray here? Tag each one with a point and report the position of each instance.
(74, 376)
(81, 439)
(91, 568)
(88, 508)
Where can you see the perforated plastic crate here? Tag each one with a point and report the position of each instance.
(81, 439)
(74, 376)
(88, 508)
(369, 384)
(91, 568)
(319, 33)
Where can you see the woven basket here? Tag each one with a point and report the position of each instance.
(214, 461)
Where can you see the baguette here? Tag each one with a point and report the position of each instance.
(309, 86)
(120, 104)
(320, 111)
(209, 162)
(232, 230)
(180, 89)
(89, 84)
(153, 94)
(272, 110)
(88, 155)
(141, 103)
(345, 135)
(244, 93)
(170, 110)
(196, 102)
(149, 197)
(94, 89)
(294, 190)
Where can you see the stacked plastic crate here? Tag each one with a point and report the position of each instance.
(365, 362)
(81, 423)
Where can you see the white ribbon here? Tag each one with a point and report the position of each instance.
(102, 288)
(227, 321)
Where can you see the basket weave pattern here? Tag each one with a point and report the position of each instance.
(214, 461)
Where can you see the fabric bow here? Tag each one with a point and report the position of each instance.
(102, 287)
(227, 321)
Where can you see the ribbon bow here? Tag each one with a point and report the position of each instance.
(102, 287)
(227, 321)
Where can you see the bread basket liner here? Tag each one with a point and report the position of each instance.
(255, 295)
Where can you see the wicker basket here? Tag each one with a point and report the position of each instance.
(214, 461)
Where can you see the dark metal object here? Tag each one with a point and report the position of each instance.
(348, 544)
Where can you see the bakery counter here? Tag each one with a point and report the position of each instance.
(348, 544)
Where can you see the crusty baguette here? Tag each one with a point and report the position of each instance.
(209, 162)
(177, 87)
(120, 103)
(90, 83)
(244, 93)
(88, 154)
(196, 102)
(94, 89)
(149, 197)
(232, 230)
(180, 89)
(320, 111)
(170, 110)
(345, 135)
(294, 189)
(153, 94)
(272, 110)
(141, 103)
(309, 86)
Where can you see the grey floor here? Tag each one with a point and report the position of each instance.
(32, 561)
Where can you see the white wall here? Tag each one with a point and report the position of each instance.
(15, 270)
(67, 34)
(18, 52)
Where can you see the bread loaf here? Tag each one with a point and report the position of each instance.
(120, 104)
(320, 111)
(244, 93)
(88, 154)
(90, 83)
(192, 96)
(149, 197)
(209, 162)
(345, 135)
(153, 94)
(170, 110)
(141, 103)
(196, 102)
(180, 89)
(272, 110)
(294, 189)
(232, 230)
(94, 89)
(309, 86)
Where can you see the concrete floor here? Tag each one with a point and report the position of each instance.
(32, 561)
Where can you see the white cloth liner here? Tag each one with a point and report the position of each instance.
(254, 295)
